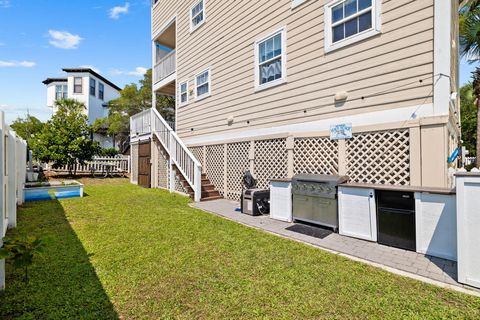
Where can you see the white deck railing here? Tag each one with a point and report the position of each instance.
(179, 155)
(165, 67)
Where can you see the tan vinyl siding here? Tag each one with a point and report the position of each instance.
(385, 70)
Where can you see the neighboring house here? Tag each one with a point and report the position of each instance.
(89, 87)
(259, 85)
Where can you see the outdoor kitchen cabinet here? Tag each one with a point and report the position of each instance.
(357, 213)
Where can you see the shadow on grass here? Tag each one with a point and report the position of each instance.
(63, 283)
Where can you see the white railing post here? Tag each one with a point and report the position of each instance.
(198, 183)
(170, 162)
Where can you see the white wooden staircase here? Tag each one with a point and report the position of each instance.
(182, 162)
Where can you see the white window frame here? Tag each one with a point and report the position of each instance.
(376, 26)
(205, 95)
(93, 92)
(192, 27)
(80, 85)
(102, 96)
(63, 91)
(180, 93)
(283, 79)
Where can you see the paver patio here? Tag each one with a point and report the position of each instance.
(422, 267)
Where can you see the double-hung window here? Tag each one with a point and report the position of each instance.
(77, 85)
(202, 84)
(349, 21)
(183, 93)
(270, 61)
(61, 91)
(101, 91)
(197, 15)
(92, 87)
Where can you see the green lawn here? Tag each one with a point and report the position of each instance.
(132, 253)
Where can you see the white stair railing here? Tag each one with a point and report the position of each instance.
(180, 156)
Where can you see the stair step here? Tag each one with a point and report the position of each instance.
(206, 194)
(208, 187)
(211, 198)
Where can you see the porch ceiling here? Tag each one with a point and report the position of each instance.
(167, 38)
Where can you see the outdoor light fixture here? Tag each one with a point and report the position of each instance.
(230, 120)
(342, 95)
(453, 96)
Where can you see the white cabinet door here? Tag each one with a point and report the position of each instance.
(357, 213)
(281, 201)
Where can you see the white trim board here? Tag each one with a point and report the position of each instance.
(364, 119)
(442, 56)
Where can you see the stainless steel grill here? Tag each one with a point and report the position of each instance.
(315, 199)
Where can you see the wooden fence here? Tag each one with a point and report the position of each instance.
(13, 165)
(117, 164)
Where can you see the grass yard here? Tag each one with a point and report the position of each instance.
(132, 253)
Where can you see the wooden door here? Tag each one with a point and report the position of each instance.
(144, 166)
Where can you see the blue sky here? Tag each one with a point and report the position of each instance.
(40, 37)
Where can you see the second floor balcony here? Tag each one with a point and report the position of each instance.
(165, 67)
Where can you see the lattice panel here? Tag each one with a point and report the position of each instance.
(198, 153)
(317, 155)
(237, 164)
(134, 156)
(163, 168)
(379, 157)
(215, 166)
(179, 186)
(270, 161)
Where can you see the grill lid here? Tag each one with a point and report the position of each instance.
(328, 179)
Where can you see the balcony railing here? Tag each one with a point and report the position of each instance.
(165, 67)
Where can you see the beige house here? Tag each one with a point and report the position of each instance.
(260, 84)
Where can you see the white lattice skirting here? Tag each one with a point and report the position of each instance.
(381, 157)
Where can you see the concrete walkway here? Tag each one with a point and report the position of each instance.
(429, 269)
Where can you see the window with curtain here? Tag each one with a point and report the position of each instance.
(183, 93)
(202, 84)
(271, 59)
(197, 15)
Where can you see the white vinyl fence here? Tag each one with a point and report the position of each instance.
(470, 160)
(13, 165)
(117, 164)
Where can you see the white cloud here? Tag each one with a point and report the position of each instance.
(115, 12)
(5, 4)
(64, 39)
(138, 72)
(16, 64)
(91, 67)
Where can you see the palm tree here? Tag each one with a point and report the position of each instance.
(470, 49)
